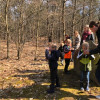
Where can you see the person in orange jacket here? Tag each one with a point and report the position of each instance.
(67, 50)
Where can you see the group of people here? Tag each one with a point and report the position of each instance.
(66, 51)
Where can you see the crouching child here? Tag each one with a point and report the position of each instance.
(85, 67)
(52, 58)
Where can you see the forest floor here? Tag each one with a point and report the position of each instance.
(26, 79)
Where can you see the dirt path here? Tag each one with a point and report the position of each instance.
(27, 79)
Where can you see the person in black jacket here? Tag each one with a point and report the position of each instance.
(95, 28)
(85, 66)
(52, 59)
(61, 51)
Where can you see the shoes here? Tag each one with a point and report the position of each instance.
(87, 89)
(82, 89)
(67, 72)
(98, 96)
(57, 86)
(50, 91)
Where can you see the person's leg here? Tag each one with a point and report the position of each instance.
(53, 79)
(62, 58)
(81, 81)
(87, 78)
(72, 56)
(97, 74)
(67, 62)
(57, 79)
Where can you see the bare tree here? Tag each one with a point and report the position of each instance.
(7, 30)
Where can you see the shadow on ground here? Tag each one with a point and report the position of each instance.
(69, 84)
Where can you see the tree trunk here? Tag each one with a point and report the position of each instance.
(7, 30)
(47, 23)
(63, 20)
(83, 16)
(90, 15)
(73, 20)
(18, 45)
(37, 34)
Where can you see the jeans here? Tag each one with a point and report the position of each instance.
(85, 77)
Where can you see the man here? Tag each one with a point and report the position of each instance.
(95, 28)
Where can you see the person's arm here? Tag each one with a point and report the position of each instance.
(46, 53)
(50, 56)
(59, 49)
(91, 57)
(80, 56)
(95, 51)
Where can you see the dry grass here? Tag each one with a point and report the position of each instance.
(27, 79)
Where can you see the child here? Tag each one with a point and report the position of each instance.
(53, 58)
(85, 66)
(67, 56)
(61, 51)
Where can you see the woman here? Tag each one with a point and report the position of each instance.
(77, 40)
(87, 34)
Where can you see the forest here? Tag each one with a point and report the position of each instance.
(26, 28)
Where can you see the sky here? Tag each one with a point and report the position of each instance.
(68, 3)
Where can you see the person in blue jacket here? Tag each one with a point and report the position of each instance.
(52, 58)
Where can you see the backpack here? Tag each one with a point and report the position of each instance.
(66, 49)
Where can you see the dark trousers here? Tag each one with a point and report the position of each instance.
(84, 81)
(67, 62)
(54, 77)
(98, 72)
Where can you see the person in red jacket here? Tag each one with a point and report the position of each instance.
(67, 56)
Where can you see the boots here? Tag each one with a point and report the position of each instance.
(51, 90)
(81, 86)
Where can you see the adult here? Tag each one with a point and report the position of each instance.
(76, 43)
(77, 40)
(95, 28)
(87, 34)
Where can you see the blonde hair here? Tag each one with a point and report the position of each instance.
(62, 44)
(76, 32)
(86, 44)
(68, 41)
(87, 26)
